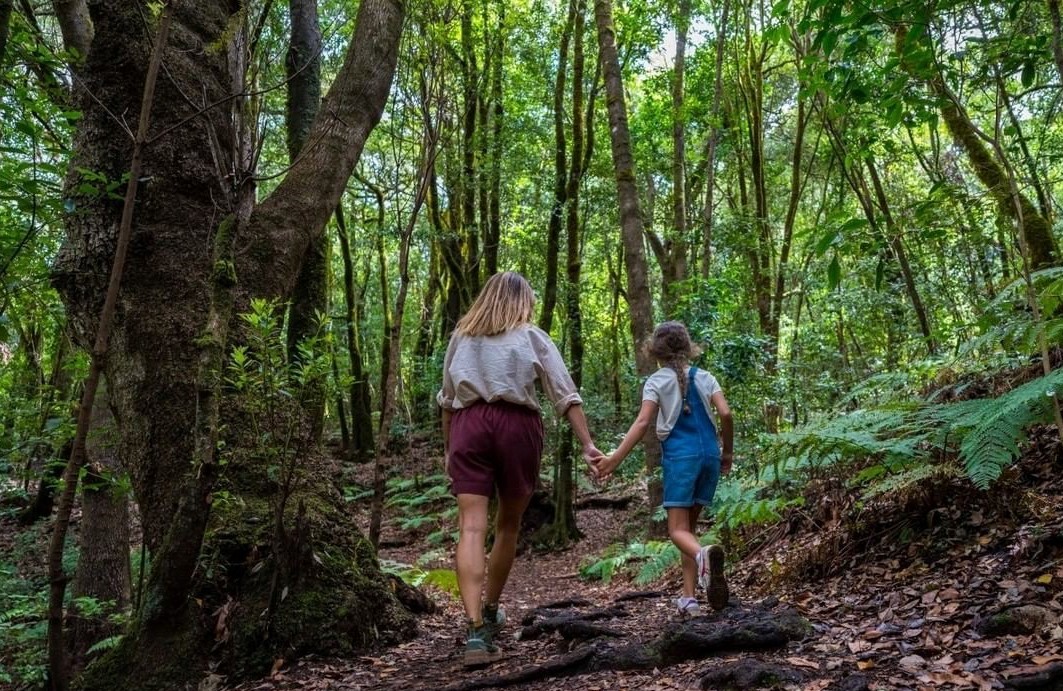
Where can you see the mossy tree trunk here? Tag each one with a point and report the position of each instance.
(167, 349)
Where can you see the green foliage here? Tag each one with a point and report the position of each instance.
(908, 442)
(655, 556)
(23, 628)
(445, 580)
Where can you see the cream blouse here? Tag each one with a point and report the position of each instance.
(505, 367)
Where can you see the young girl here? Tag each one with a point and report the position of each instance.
(679, 397)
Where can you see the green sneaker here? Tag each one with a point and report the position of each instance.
(480, 649)
(717, 583)
(494, 617)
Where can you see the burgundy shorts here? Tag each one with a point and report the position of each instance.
(495, 445)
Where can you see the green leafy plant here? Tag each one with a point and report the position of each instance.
(441, 579)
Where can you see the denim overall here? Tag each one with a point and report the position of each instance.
(691, 454)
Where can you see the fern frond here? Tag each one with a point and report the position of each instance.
(661, 557)
(109, 643)
(907, 478)
(993, 443)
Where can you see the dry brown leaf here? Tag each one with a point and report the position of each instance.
(858, 646)
(802, 662)
(911, 662)
(865, 664)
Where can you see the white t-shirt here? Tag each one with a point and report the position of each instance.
(663, 389)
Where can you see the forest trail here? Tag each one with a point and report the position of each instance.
(913, 606)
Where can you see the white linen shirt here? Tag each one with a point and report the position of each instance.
(505, 367)
(662, 388)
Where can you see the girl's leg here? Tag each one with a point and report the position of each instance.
(507, 529)
(472, 525)
(681, 523)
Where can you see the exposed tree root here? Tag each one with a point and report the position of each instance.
(734, 630)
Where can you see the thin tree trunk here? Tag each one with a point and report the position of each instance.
(393, 340)
(1057, 37)
(557, 208)
(788, 222)
(426, 335)
(676, 240)
(361, 404)
(103, 557)
(341, 407)
(5, 27)
(989, 169)
(494, 222)
(470, 75)
(564, 524)
(302, 65)
(76, 26)
(897, 245)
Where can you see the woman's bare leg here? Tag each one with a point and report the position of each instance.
(507, 529)
(472, 526)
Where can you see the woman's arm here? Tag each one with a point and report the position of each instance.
(723, 414)
(647, 413)
(578, 420)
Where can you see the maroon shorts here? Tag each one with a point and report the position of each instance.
(495, 445)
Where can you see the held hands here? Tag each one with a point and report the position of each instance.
(594, 457)
(605, 465)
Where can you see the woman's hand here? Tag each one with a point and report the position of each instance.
(606, 465)
(593, 456)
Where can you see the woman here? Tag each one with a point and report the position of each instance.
(493, 438)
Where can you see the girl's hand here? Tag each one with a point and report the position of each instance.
(606, 466)
(726, 461)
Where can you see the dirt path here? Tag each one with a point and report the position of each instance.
(917, 609)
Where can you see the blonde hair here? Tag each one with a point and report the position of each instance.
(672, 347)
(506, 302)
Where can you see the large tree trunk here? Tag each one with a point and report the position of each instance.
(196, 174)
(631, 227)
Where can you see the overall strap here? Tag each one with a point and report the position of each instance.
(690, 385)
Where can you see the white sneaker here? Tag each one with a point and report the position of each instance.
(688, 606)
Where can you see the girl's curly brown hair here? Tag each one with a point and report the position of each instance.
(672, 347)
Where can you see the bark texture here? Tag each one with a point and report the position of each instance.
(103, 537)
(192, 201)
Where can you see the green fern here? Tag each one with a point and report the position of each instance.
(993, 443)
(894, 482)
(109, 643)
(660, 556)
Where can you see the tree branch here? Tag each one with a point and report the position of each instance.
(283, 225)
